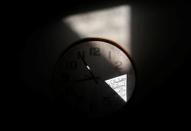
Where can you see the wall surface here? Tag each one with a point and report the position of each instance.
(161, 58)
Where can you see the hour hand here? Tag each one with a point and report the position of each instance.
(88, 68)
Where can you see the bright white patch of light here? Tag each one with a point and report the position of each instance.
(119, 85)
(112, 23)
(88, 67)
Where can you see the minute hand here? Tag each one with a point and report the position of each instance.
(89, 70)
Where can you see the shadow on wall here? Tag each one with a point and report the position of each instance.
(158, 55)
(40, 53)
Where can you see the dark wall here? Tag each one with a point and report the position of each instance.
(162, 56)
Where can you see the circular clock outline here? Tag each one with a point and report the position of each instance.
(107, 41)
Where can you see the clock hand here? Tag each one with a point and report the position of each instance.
(88, 68)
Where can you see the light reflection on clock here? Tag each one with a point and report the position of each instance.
(119, 85)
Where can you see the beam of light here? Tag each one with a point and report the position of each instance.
(112, 23)
(119, 85)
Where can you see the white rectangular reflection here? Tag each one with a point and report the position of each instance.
(112, 23)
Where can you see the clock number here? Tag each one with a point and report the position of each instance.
(81, 54)
(109, 55)
(94, 51)
(118, 64)
(71, 65)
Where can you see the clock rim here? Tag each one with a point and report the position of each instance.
(86, 39)
(101, 39)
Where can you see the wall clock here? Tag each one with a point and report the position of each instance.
(94, 77)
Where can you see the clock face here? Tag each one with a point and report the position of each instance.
(94, 77)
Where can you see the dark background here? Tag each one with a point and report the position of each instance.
(159, 50)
